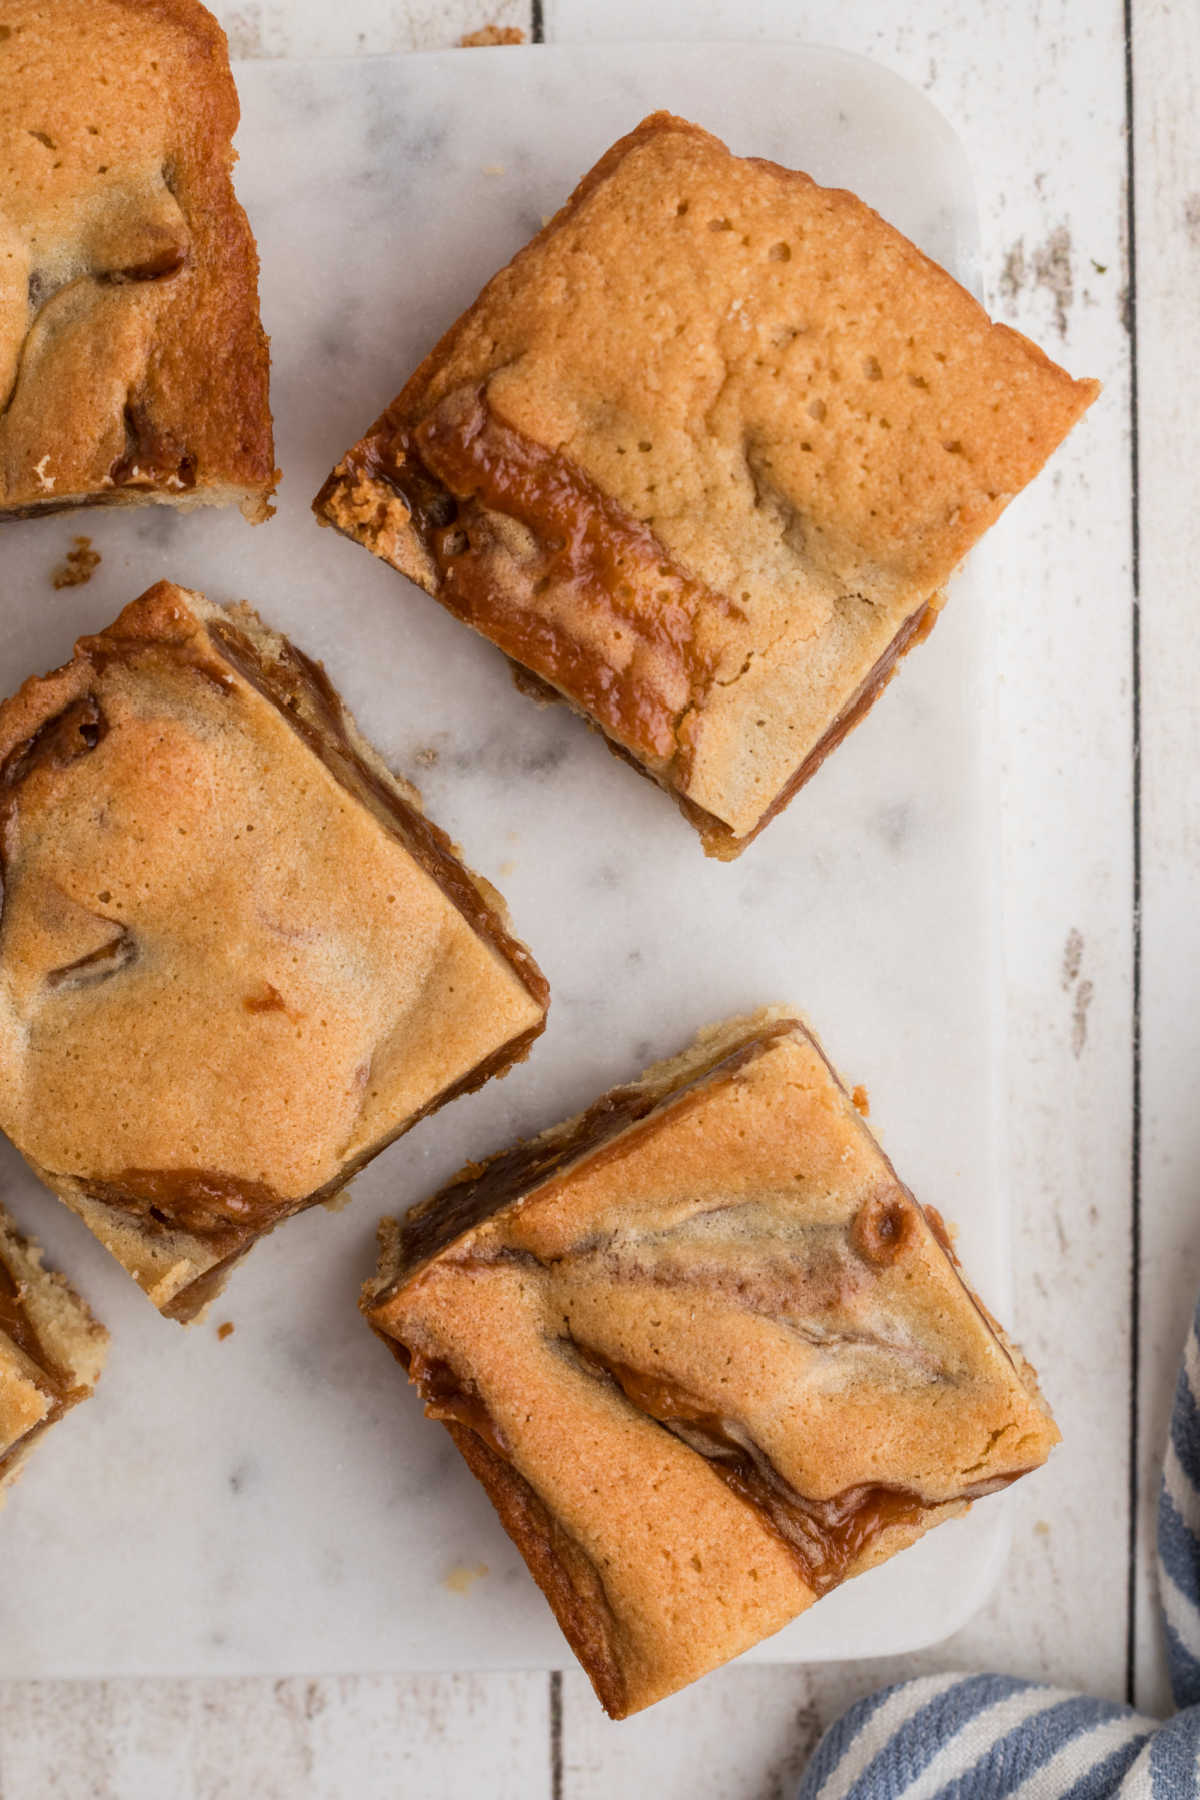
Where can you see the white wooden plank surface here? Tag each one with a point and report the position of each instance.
(1166, 59)
(1037, 89)
(432, 1735)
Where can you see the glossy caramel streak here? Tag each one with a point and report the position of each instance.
(561, 1567)
(483, 1189)
(826, 1537)
(196, 1295)
(448, 1397)
(16, 1324)
(17, 1452)
(159, 265)
(154, 454)
(109, 649)
(461, 465)
(220, 1208)
(591, 559)
(558, 1563)
(56, 744)
(797, 1278)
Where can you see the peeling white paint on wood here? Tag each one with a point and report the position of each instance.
(342, 1739)
(1036, 89)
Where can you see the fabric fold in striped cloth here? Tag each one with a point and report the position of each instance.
(994, 1737)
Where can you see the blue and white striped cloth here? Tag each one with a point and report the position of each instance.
(992, 1737)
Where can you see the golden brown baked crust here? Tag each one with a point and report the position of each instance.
(236, 959)
(706, 1353)
(702, 457)
(133, 366)
(51, 1349)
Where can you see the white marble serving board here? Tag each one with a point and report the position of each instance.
(275, 1501)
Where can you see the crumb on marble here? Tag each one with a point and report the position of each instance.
(226, 1330)
(862, 1100)
(489, 35)
(335, 1202)
(460, 1578)
(507, 866)
(1042, 1528)
(532, 686)
(493, 168)
(426, 757)
(79, 566)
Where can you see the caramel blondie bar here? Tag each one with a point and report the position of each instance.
(236, 959)
(701, 459)
(706, 1353)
